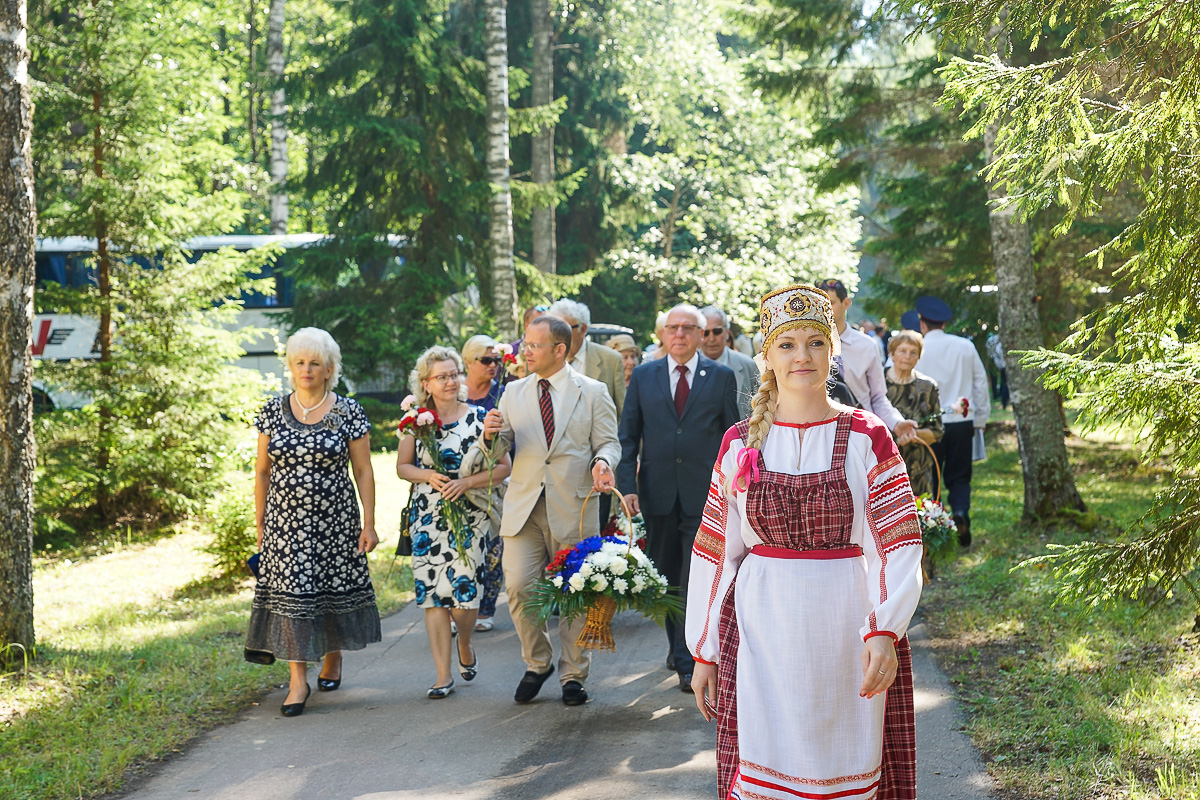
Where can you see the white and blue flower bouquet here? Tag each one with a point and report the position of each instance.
(599, 577)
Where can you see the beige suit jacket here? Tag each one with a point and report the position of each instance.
(606, 365)
(585, 428)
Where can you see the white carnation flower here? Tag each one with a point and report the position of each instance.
(557, 580)
(586, 569)
(577, 582)
(619, 566)
(620, 585)
(599, 583)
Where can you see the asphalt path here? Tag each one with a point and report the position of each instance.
(379, 738)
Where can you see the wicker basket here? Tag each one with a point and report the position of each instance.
(597, 631)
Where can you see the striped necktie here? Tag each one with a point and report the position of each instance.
(547, 410)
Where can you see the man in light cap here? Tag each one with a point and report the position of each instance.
(954, 363)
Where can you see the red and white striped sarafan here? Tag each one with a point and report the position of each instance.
(788, 632)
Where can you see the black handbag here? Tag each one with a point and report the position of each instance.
(404, 545)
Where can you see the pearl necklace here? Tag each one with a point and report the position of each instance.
(305, 410)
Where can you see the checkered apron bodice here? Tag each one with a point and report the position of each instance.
(814, 511)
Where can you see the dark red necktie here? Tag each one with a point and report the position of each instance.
(681, 390)
(547, 410)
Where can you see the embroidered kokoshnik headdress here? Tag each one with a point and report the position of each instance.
(796, 307)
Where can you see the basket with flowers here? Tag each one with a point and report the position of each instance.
(939, 534)
(423, 424)
(599, 577)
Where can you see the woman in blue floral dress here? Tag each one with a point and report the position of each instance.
(447, 585)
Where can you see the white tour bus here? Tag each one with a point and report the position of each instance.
(69, 262)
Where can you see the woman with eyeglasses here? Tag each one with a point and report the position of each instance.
(446, 587)
(483, 377)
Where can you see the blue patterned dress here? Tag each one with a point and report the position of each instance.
(441, 579)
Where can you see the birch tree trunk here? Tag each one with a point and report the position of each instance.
(542, 161)
(279, 160)
(1049, 483)
(500, 232)
(252, 77)
(18, 228)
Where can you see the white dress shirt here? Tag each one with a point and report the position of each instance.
(953, 362)
(579, 362)
(863, 373)
(691, 365)
(558, 387)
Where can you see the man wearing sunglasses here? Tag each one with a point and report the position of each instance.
(715, 346)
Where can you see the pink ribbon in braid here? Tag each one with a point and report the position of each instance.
(747, 467)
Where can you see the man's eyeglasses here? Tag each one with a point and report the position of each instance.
(537, 345)
(671, 330)
(714, 332)
(449, 377)
(488, 361)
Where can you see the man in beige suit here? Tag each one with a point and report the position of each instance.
(597, 362)
(564, 426)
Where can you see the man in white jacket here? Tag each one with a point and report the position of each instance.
(954, 363)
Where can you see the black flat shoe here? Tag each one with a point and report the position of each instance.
(296, 709)
(531, 684)
(440, 692)
(468, 671)
(685, 683)
(328, 684)
(573, 694)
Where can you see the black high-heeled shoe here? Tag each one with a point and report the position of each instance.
(296, 709)
(468, 671)
(328, 684)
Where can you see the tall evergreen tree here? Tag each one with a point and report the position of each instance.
(395, 108)
(18, 226)
(127, 142)
(1076, 134)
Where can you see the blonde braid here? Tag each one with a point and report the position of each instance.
(762, 417)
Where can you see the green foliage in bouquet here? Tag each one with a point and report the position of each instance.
(938, 531)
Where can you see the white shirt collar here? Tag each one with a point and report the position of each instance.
(558, 380)
(691, 363)
(579, 362)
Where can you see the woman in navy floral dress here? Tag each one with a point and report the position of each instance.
(314, 597)
(446, 586)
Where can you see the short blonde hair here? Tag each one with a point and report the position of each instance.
(317, 342)
(425, 364)
(906, 337)
(477, 346)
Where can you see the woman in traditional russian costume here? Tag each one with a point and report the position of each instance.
(805, 574)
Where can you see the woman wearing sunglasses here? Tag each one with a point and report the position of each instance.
(481, 355)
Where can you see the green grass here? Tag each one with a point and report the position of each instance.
(139, 650)
(1067, 701)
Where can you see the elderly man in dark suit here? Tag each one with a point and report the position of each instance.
(677, 410)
